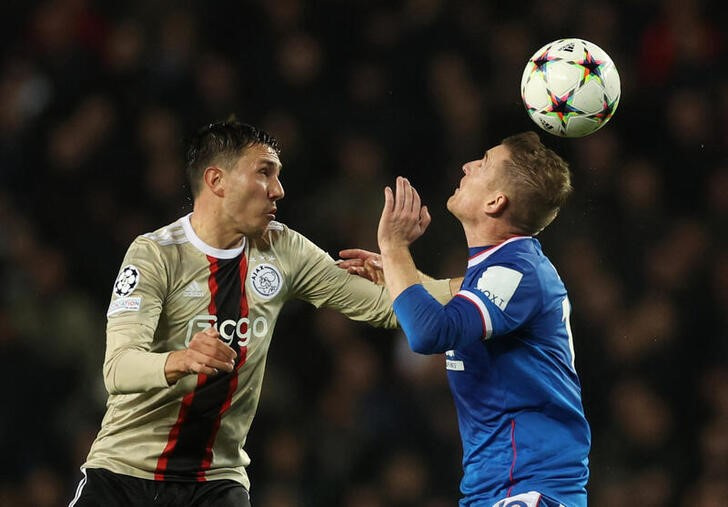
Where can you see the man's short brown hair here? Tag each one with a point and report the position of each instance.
(221, 143)
(538, 182)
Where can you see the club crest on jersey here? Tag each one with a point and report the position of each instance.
(266, 280)
(127, 280)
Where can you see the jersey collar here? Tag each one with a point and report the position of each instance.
(203, 247)
(479, 257)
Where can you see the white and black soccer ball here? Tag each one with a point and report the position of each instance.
(570, 87)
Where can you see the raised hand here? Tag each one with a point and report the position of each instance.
(403, 219)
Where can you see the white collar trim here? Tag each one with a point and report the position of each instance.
(218, 253)
(478, 258)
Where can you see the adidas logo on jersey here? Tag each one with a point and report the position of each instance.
(193, 290)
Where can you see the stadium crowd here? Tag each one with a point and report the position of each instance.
(95, 98)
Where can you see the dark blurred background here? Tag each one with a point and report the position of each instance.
(96, 98)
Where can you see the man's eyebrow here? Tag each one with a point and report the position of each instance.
(271, 163)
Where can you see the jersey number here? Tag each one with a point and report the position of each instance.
(566, 313)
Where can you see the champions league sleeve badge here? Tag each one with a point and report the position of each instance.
(266, 280)
(127, 281)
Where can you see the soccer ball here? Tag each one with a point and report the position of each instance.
(570, 87)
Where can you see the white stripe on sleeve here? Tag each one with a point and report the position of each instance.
(487, 322)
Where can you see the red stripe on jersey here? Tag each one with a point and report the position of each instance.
(233, 385)
(212, 284)
(173, 437)
(480, 256)
(487, 249)
(162, 462)
(515, 455)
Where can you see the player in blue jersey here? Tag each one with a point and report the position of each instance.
(506, 336)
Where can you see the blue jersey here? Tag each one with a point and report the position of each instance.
(510, 362)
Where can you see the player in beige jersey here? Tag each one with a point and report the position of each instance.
(189, 325)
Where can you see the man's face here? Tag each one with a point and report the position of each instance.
(251, 190)
(482, 179)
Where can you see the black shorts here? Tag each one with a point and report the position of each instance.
(101, 488)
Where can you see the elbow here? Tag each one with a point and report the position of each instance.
(419, 344)
(110, 378)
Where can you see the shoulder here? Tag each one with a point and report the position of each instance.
(171, 234)
(512, 267)
(280, 235)
(163, 245)
(521, 254)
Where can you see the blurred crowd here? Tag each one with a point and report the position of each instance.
(97, 96)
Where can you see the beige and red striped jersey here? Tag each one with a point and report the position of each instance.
(172, 285)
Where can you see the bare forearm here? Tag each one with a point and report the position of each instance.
(399, 270)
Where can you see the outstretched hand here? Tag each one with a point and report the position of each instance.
(362, 263)
(403, 219)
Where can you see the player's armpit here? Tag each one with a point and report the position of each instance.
(441, 290)
(455, 284)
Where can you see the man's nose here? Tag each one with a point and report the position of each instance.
(276, 191)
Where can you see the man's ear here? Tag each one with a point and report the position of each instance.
(496, 204)
(212, 178)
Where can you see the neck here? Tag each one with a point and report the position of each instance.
(491, 233)
(211, 227)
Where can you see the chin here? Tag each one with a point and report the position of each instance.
(255, 231)
(449, 204)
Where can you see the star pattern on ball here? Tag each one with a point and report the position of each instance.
(542, 60)
(607, 110)
(592, 67)
(561, 107)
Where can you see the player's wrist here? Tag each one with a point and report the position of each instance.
(390, 248)
(174, 367)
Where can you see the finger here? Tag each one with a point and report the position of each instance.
(399, 196)
(211, 332)
(355, 253)
(350, 263)
(204, 341)
(200, 368)
(406, 196)
(416, 202)
(374, 262)
(227, 366)
(364, 273)
(413, 201)
(388, 202)
(425, 217)
(214, 348)
(373, 274)
(225, 352)
(223, 363)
